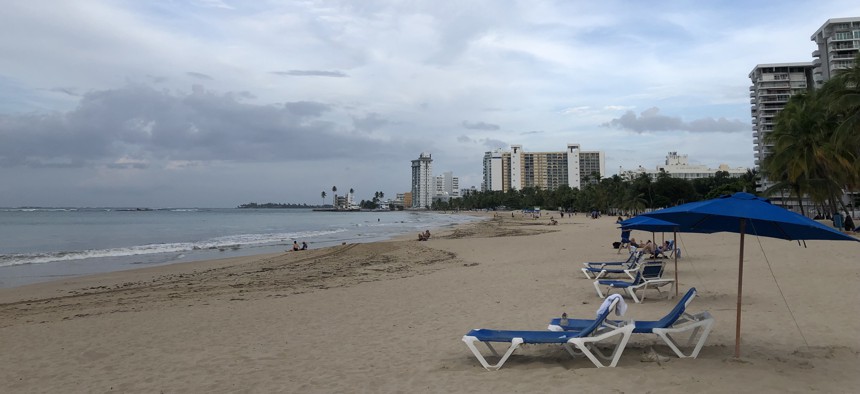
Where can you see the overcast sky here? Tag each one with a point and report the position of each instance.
(213, 103)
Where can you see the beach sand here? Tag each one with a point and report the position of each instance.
(389, 317)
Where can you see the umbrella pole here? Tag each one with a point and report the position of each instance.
(675, 254)
(740, 293)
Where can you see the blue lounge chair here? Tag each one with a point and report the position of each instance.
(600, 270)
(584, 340)
(675, 322)
(649, 275)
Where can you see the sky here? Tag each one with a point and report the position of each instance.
(215, 103)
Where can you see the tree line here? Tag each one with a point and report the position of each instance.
(614, 195)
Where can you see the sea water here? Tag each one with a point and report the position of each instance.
(41, 244)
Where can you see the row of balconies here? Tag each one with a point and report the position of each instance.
(842, 46)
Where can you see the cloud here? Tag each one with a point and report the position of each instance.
(494, 144)
(370, 122)
(486, 142)
(531, 132)
(68, 91)
(138, 126)
(310, 73)
(480, 126)
(651, 120)
(199, 75)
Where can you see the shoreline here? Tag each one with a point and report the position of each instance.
(388, 316)
(16, 275)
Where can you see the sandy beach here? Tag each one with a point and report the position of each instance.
(389, 317)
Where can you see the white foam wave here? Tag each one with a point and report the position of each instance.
(227, 242)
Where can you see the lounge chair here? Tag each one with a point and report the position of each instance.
(648, 275)
(585, 340)
(601, 264)
(599, 270)
(675, 322)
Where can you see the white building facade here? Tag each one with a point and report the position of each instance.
(447, 186)
(423, 185)
(772, 87)
(678, 166)
(517, 169)
(838, 42)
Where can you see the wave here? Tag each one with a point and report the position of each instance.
(220, 243)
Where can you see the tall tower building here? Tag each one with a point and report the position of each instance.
(838, 43)
(772, 86)
(422, 181)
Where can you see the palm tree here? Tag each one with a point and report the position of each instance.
(334, 191)
(323, 196)
(803, 150)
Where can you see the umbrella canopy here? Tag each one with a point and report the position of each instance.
(745, 213)
(646, 223)
(760, 218)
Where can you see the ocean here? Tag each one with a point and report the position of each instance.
(43, 244)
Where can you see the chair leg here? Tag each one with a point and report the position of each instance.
(702, 322)
(597, 287)
(587, 344)
(470, 342)
(585, 271)
(632, 293)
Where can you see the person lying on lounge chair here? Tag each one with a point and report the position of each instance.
(649, 248)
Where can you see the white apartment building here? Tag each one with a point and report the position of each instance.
(838, 42)
(678, 166)
(516, 169)
(423, 186)
(447, 186)
(772, 86)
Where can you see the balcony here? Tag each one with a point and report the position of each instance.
(816, 53)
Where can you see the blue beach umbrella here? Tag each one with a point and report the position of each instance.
(745, 213)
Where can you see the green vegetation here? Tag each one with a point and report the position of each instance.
(277, 205)
(613, 195)
(815, 143)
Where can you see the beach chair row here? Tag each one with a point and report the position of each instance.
(585, 336)
(642, 275)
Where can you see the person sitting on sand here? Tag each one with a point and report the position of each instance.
(304, 245)
(425, 236)
(295, 246)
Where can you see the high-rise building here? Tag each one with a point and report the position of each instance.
(838, 42)
(422, 181)
(447, 185)
(772, 86)
(517, 168)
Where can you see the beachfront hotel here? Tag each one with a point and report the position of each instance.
(678, 166)
(423, 183)
(517, 169)
(838, 41)
(772, 87)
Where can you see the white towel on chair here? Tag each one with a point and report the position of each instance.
(620, 307)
